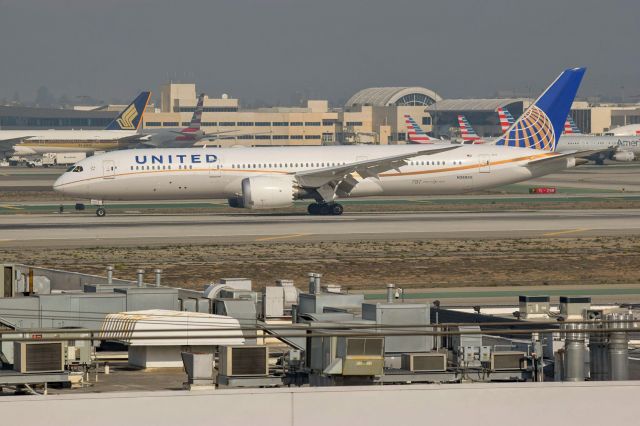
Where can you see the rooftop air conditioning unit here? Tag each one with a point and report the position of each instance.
(237, 361)
(424, 362)
(502, 361)
(361, 356)
(38, 357)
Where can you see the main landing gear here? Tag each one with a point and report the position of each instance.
(325, 209)
(101, 212)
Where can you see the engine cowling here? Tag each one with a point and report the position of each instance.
(623, 156)
(267, 192)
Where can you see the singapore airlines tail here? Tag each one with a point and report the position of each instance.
(131, 117)
(541, 125)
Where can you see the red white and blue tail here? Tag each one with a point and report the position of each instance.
(414, 133)
(570, 127)
(466, 131)
(506, 119)
(196, 118)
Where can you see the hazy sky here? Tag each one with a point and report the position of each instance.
(278, 51)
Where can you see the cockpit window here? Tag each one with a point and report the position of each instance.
(70, 169)
(75, 169)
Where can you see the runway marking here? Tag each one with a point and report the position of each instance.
(282, 237)
(568, 231)
(6, 206)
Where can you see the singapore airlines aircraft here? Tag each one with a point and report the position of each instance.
(274, 177)
(120, 133)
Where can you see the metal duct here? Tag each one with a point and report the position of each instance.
(110, 274)
(158, 273)
(140, 274)
(390, 292)
(574, 356)
(598, 353)
(618, 346)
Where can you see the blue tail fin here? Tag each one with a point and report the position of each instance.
(131, 117)
(540, 127)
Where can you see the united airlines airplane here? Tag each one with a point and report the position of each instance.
(274, 177)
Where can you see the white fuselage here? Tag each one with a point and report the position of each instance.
(42, 141)
(594, 143)
(206, 173)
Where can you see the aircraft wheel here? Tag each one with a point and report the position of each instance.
(101, 212)
(313, 209)
(324, 209)
(337, 209)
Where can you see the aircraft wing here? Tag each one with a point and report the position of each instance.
(8, 144)
(551, 158)
(338, 181)
(596, 154)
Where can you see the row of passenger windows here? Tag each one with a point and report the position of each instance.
(281, 165)
(434, 163)
(163, 167)
(248, 123)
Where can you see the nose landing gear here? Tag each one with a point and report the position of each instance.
(101, 212)
(325, 209)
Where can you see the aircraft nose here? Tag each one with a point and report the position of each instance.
(58, 185)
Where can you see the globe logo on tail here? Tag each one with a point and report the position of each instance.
(533, 130)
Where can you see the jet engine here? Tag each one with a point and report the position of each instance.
(266, 192)
(623, 156)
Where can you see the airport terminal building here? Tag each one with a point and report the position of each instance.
(373, 115)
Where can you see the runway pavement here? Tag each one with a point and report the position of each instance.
(133, 230)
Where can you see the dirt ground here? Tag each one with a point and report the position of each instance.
(366, 264)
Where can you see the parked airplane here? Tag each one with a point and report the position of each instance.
(415, 134)
(570, 127)
(120, 133)
(274, 177)
(628, 130)
(467, 132)
(594, 148)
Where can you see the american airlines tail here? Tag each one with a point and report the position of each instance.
(506, 119)
(196, 119)
(467, 132)
(570, 127)
(415, 134)
(131, 117)
(541, 125)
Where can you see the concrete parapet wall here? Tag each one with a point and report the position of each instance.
(495, 404)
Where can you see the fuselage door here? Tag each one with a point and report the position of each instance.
(108, 169)
(485, 163)
(215, 168)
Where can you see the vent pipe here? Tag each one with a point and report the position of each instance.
(314, 282)
(158, 273)
(574, 352)
(110, 274)
(598, 353)
(618, 345)
(391, 292)
(140, 274)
